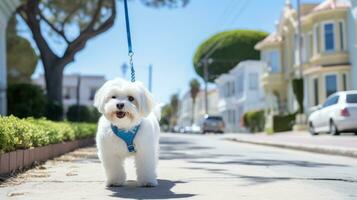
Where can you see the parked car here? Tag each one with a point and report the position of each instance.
(338, 114)
(212, 124)
(195, 129)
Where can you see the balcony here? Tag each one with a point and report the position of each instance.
(273, 81)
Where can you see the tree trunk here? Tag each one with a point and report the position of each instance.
(53, 78)
(193, 111)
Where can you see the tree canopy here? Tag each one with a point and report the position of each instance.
(70, 24)
(20, 56)
(226, 50)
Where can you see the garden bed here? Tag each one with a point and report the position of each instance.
(25, 158)
(26, 141)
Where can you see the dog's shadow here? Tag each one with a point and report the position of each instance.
(163, 191)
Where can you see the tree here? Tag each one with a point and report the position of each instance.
(194, 90)
(226, 50)
(174, 103)
(166, 115)
(21, 57)
(72, 24)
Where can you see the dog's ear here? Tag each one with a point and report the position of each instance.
(146, 100)
(99, 98)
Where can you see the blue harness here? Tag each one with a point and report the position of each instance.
(127, 136)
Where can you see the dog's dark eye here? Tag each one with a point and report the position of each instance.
(113, 97)
(131, 98)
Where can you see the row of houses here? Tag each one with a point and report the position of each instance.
(328, 51)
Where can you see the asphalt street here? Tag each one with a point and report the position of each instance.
(197, 167)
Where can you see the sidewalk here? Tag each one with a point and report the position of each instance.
(344, 145)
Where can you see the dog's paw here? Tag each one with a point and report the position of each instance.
(148, 183)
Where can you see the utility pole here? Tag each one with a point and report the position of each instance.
(299, 39)
(150, 78)
(205, 73)
(78, 95)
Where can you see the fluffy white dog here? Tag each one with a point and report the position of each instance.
(127, 108)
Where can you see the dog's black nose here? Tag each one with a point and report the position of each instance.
(120, 105)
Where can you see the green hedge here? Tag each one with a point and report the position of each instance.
(25, 100)
(283, 122)
(254, 120)
(18, 133)
(82, 113)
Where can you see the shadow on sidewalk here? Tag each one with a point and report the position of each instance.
(162, 191)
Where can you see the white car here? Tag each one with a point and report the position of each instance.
(338, 114)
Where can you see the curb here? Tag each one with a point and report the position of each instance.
(314, 149)
(19, 159)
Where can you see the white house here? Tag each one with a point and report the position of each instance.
(185, 107)
(88, 85)
(7, 7)
(240, 91)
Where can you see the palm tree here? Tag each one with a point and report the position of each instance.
(174, 103)
(194, 89)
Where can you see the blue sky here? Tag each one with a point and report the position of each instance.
(168, 38)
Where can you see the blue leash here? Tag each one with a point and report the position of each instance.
(130, 46)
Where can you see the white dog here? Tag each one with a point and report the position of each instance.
(127, 108)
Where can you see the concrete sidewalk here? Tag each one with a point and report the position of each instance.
(344, 145)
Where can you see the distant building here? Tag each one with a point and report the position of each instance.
(352, 36)
(88, 86)
(325, 65)
(240, 91)
(185, 107)
(7, 8)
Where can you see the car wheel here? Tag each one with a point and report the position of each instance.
(333, 129)
(312, 129)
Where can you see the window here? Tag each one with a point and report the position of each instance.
(272, 58)
(240, 84)
(342, 35)
(316, 91)
(253, 81)
(329, 37)
(351, 98)
(331, 84)
(344, 82)
(331, 101)
(274, 61)
(92, 93)
(69, 93)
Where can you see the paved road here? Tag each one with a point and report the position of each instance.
(198, 167)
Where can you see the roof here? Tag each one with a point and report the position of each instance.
(332, 4)
(272, 38)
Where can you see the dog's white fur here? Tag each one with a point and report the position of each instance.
(112, 150)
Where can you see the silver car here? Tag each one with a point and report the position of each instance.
(338, 114)
(213, 124)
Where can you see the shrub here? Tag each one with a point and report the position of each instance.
(82, 113)
(54, 111)
(18, 133)
(254, 120)
(25, 100)
(283, 122)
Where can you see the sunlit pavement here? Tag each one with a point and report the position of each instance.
(344, 144)
(198, 167)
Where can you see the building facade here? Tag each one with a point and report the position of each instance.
(88, 85)
(240, 91)
(352, 41)
(185, 112)
(7, 8)
(325, 66)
